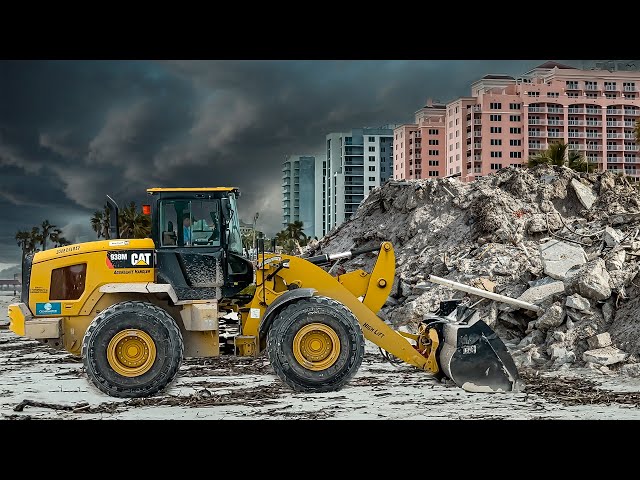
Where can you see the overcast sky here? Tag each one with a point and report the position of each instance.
(73, 131)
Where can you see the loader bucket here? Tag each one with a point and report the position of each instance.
(475, 358)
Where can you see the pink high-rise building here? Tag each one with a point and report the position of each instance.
(418, 148)
(507, 119)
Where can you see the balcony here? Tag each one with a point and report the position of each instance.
(591, 88)
(593, 135)
(477, 158)
(614, 147)
(477, 145)
(477, 121)
(477, 170)
(554, 110)
(611, 111)
(477, 108)
(615, 124)
(576, 134)
(572, 86)
(477, 133)
(468, 134)
(610, 88)
(629, 88)
(537, 146)
(627, 123)
(537, 121)
(555, 134)
(537, 110)
(632, 113)
(631, 148)
(576, 146)
(594, 123)
(594, 159)
(576, 110)
(594, 111)
(615, 135)
(630, 136)
(555, 122)
(537, 134)
(469, 148)
(576, 122)
(594, 147)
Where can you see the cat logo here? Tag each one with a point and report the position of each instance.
(141, 259)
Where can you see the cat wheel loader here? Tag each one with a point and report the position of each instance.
(134, 308)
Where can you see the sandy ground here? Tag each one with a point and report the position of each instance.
(243, 388)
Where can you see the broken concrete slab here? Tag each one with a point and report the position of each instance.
(585, 194)
(605, 356)
(607, 311)
(538, 294)
(577, 302)
(558, 257)
(591, 281)
(615, 260)
(599, 341)
(611, 236)
(560, 355)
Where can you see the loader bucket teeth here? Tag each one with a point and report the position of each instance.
(475, 358)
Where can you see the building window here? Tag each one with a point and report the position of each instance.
(516, 130)
(433, 173)
(457, 133)
(372, 139)
(433, 131)
(372, 149)
(383, 149)
(496, 141)
(515, 143)
(495, 118)
(533, 94)
(433, 142)
(451, 159)
(372, 179)
(552, 95)
(496, 154)
(372, 168)
(434, 163)
(496, 166)
(457, 157)
(450, 123)
(457, 145)
(495, 106)
(373, 159)
(496, 129)
(515, 106)
(515, 118)
(451, 147)
(515, 154)
(434, 152)
(572, 95)
(383, 169)
(457, 121)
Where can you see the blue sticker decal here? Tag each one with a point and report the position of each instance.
(48, 308)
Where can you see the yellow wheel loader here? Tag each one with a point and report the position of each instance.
(134, 308)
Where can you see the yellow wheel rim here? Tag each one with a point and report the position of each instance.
(316, 346)
(131, 353)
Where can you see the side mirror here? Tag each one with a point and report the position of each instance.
(227, 211)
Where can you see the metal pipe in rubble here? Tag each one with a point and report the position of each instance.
(328, 258)
(484, 293)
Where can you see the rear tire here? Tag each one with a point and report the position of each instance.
(315, 345)
(132, 349)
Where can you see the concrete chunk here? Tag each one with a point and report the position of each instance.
(552, 318)
(611, 236)
(599, 341)
(591, 281)
(558, 257)
(577, 302)
(585, 194)
(605, 356)
(538, 294)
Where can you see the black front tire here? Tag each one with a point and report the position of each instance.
(290, 320)
(143, 316)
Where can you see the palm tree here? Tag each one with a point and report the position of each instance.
(134, 224)
(47, 228)
(97, 223)
(559, 155)
(57, 238)
(22, 237)
(35, 238)
(294, 232)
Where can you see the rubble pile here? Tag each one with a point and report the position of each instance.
(566, 241)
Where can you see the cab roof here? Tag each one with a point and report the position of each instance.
(193, 189)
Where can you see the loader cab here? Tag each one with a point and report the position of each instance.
(198, 243)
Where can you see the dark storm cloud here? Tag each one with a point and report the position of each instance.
(72, 131)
